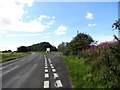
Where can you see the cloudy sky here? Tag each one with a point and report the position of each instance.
(27, 22)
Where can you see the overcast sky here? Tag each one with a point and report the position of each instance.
(27, 22)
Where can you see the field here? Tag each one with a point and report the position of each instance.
(7, 56)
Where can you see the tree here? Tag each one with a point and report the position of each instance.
(116, 25)
(80, 43)
(37, 47)
(22, 49)
(62, 46)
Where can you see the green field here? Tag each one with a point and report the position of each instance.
(7, 56)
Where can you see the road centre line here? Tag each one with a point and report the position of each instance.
(46, 67)
(55, 75)
(46, 84)
(49, 60)
(45, 64)
(53, 70)
(46, 75)
(46, 70)
(52, 67)
(58, 84)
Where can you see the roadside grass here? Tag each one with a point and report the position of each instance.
(83, 76)
(7, 56)
(79, 72)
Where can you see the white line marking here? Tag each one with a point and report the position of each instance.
(46, 70)
(58, 84)
(45, 58)
(49, 60)
(53, 70)
(52, 67)
(55, 75)
(46, 75)
(46, 67)
(45, 64)
(46, 84)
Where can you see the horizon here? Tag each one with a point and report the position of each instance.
(33, 22)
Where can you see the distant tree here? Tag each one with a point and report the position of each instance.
(62, 46)
(53, 48)
(22, 49)
(9, 51)
(6, 51)
(41, 47)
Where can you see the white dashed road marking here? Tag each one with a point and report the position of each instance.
(52, 67)
(46, 70)
(49, 60)
(58, 83)
(46, 67)
(53, 70)
(45, 64)
(55, 75)
(46, 84)
(46, 75)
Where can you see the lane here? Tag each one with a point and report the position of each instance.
(36, 71)
(56, 75)
(25, 74)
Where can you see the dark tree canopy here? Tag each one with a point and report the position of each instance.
(116, 25)
(62, 46)
(38, 47)
(22, 49)
(78, 44)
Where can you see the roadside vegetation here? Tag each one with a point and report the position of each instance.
(93, 65)
(7, 56)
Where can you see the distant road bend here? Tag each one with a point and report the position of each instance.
(35, 71)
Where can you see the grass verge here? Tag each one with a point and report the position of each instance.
(10, 56)
(83, 76)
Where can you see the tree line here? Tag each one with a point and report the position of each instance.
(37, 47)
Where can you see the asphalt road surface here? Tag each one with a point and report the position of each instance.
(35, 71)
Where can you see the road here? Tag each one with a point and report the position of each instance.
(35, 71)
